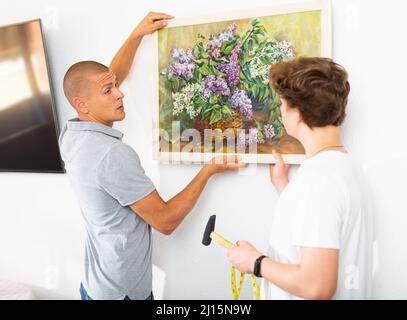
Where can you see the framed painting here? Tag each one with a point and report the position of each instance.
(211, 86)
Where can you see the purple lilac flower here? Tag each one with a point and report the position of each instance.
(241, 139)
(228, 33)
(223, 36)
(184, 65)
(215, 84)
(268, 131)
(231, 30)
(175, 69)
(177, 53)
(250, 138)
(181, 56)
(253, 137)
(216, 42)
(178, 69)
(241, 100)
(232, 68)
(216, 53)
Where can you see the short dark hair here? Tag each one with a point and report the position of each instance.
(318, 87)
(76, 79)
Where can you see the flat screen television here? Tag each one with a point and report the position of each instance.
(28, 123)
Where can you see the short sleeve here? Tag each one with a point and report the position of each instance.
(121, 175)
(319, 212)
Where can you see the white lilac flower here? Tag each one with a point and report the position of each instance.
(275, 52)
(283, 51)
(183, 100)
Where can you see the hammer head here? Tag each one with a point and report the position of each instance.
(210, 227)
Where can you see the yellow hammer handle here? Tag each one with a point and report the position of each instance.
(221, 240)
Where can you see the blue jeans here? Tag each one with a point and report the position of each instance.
(85, 296)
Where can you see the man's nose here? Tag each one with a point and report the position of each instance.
(120, 94)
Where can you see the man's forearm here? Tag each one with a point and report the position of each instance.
(122, 61)
(181, 204)
(289, 278)
(280, 186)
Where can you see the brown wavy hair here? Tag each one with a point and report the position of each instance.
(318, 87)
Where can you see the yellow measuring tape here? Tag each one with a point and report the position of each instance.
(236, 291)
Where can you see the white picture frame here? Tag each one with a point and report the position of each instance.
(324, 6)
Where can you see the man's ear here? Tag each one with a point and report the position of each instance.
(80, 105)
(298, 115)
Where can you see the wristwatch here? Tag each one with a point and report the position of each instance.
(257, 264)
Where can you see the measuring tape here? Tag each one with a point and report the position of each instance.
(236, 291)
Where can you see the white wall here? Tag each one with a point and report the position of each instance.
(41, 232)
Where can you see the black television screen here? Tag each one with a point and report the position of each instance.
(28, 126)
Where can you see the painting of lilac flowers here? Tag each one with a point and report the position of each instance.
(214, 77)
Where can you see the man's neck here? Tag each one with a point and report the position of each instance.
(90, 118)
(319, 139)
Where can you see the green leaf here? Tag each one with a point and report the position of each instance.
(205, 55)
(205, 69)
(199, 102)
(247, 86)
(195, 51)
(255, 90)
(263, 28)
(271, 115)
(241, 76)
(255, 22)
(256, 39)
(207, 110)
(226, 111)
(259, 124)
(175, 84)
(266, 92)
(199, 62)
(250, 45)
(215, 116)
(260, 32)
(265, 60)
(213, 99)
(195, 73)
(227, 43)
(246, 46)
(261, 92)
(213, 63)
(280, 133)
(229, 48)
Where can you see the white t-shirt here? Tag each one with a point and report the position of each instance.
(325, 205)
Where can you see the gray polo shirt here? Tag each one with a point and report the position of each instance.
(107, 177)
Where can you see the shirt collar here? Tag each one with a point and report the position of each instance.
(77, 125)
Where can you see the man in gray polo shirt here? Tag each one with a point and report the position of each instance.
(118, 201)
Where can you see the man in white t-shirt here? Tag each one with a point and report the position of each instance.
(322, 234)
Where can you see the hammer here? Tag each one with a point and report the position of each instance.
(209, 234)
